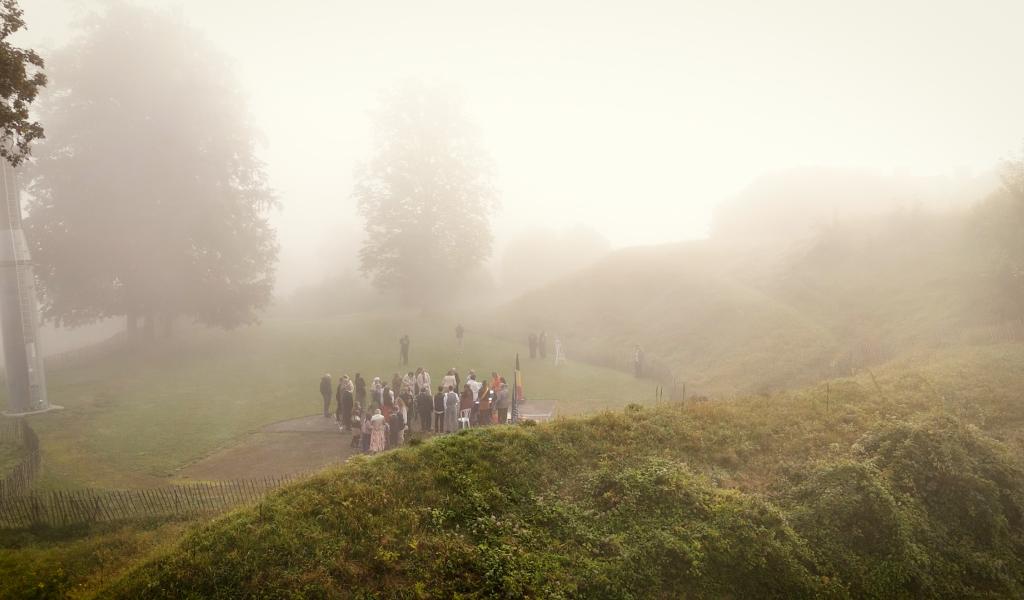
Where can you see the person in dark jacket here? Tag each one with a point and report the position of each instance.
(403, 344)
(396, 426)
(326, 389)
(439, 410)
(360, 390)
(345, 401)
(424, 408)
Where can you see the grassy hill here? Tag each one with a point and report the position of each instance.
(905, 483)
(728, 317)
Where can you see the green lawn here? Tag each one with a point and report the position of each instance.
(137, 416)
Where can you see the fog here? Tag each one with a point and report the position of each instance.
(523, 299)
(632, 119)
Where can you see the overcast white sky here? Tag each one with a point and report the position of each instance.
(633, 117)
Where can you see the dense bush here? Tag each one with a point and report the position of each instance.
(639, 505)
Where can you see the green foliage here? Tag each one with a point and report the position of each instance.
(21, 78)
(970, 494)
(855, 524)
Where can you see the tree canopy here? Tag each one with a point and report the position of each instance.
(21, 78)
(426, 195)
(148, 199)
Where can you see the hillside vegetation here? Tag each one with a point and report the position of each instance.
(903, 483)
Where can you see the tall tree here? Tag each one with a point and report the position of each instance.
(148, 199)
(21, 77)
(425, 194)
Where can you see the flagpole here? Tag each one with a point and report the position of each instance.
(515, 393)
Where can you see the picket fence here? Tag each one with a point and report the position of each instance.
(16, 432)
(57, 508)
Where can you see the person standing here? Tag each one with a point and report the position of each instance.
(422, 381)
(542, 345)
(467, 402)
(387, 401)
(404, 349)
(424, 408)
(326, 389)
(449, 380)
(396, 427)
(474, 385)
(559, 352)
(345, 400)
(439, 410)
(360, 385)
(459, 333)
(365, 433)
(483, 412)
(451, 411)
(533, 345)
(378, 433)
(502, 401)
(407, 404)
(376, 394)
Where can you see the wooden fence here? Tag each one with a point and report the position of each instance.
(90, 506)
(16, 432)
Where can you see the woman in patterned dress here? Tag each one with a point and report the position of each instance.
(378, 433)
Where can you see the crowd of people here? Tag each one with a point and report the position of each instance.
(383, 412)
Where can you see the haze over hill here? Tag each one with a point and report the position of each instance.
(783, 293)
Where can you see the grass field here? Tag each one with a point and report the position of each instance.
(10, 456)
(137, 416)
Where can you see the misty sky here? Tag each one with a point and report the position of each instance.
(634, 118)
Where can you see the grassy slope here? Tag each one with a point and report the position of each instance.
(135, 417)
(72, 562)
(729, 318)
(893, 487)
(693, 316)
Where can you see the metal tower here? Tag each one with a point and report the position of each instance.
(19, 313)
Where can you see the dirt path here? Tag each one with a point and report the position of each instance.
(294, 446)
(288, 447)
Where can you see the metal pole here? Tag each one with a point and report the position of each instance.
(19, 312)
